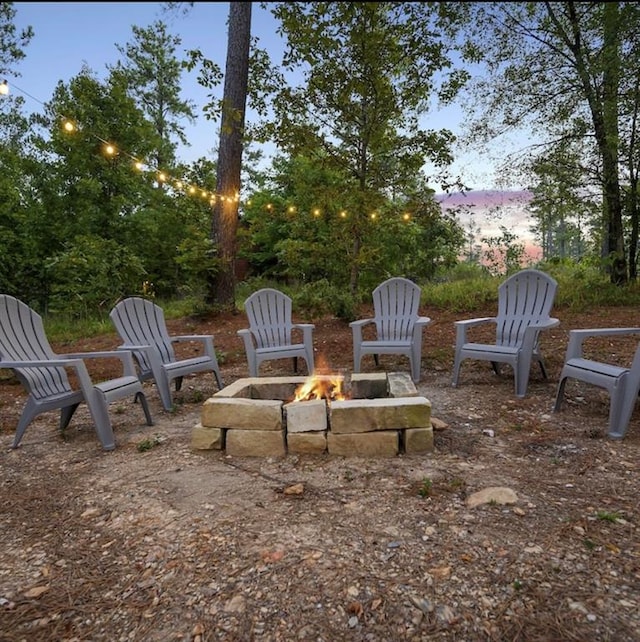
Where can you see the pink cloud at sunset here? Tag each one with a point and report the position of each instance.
(483, 213)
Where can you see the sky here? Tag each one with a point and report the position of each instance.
(68, 35)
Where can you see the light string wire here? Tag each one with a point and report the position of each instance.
(111, 149)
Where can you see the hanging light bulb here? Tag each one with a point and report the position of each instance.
(4, 88)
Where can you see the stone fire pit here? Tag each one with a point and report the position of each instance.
(383, 417)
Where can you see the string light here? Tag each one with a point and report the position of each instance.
(111, 150)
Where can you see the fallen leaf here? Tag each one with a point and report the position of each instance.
(37, 591)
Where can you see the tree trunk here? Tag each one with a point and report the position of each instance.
(608, 141)
(603, 105)
(224, 221)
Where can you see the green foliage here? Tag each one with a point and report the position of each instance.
(149, 443)
(606, 516)
(461, 295)
(426, 488)
(356, 116)
(63, 328)
(12, 41)
(303, 231)
(503, 254)
(90, 275)
(153, 77)
(321, 298)
(583, 286)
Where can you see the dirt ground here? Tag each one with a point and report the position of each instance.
(165, 543)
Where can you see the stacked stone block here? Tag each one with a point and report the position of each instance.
(251, 417)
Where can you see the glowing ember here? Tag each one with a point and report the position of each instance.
(321, 385)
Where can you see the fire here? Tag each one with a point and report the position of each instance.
(322, 384)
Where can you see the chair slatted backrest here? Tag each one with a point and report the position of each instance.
(269, 314)
(524, 298)
(22, 338)
(396, 302)
(141, 322)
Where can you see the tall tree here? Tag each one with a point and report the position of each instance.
(561, 209)
(15, 190)
(153, 74)
(368, 75)
(90, 192)
(224, 224)
(557, 66)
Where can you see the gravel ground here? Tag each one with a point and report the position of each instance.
(166, 543)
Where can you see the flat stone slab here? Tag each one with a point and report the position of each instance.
(306, 416)
(385, 443)
(418, 441)
(203, 438)
(242, 414)
(255, 443)
(307, 443)
(368, 415)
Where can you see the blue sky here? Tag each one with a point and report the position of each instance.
(70, 34)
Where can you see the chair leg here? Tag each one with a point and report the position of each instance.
(178, 383)
(521, 382)
(28, 414)
(100, 413)
(66, 414)
(456, 371)
(295, 364)
(415, 370)
(357, 358)
(140, 396)
(543, 368)
(560, 394)
(164, 391)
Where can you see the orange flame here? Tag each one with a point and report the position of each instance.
(322, 384)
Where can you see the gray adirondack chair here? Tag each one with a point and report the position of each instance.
(272, 334)
(525, 301)
(398, 325)
(143, 329)
(623, 384)
(24, 348)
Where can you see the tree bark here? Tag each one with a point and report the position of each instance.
(604, 113)
(224, 220)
